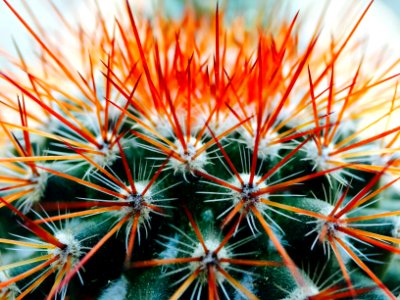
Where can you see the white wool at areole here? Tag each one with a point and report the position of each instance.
(378, 32)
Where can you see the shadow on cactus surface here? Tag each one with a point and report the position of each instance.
(199, 157)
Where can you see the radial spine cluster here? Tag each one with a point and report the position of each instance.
(198, 157)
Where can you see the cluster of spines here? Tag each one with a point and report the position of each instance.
(234, 153)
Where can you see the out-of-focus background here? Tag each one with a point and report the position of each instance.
(11, 28)
(381, 24)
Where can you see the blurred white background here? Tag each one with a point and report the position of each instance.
(10, 27)
(381, 24)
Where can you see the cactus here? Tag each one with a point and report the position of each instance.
(199, 157)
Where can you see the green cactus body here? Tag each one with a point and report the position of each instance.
(196, 158)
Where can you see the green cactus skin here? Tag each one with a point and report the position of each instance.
(195, 158)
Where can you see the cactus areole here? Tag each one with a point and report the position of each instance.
(199, 156)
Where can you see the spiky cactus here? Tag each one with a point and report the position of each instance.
(190, 159)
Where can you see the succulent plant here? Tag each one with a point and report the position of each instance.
(197, 157)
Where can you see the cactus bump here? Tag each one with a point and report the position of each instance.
(199, 157)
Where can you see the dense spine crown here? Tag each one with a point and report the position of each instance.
(187, 159)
